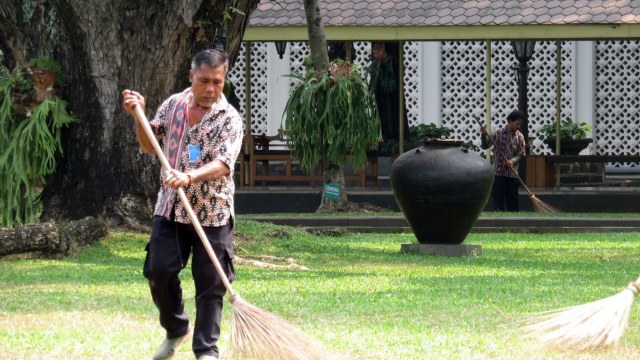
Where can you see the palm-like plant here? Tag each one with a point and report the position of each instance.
(329, 115)
(31, 120)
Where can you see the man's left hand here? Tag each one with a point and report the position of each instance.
(175, 179)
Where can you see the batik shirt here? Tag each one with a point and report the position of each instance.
(511, 145)
(218, 135)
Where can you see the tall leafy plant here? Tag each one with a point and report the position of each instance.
(330, 114)
(32, 116)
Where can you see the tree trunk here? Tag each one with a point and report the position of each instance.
(104, 47)
(333, 174)
(317, 39)
(50, 240)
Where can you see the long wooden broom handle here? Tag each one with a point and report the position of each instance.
(504, 157)
(142, 119)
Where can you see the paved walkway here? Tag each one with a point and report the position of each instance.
(397, 223)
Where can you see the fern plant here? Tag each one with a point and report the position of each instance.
(31, 120)
(331, 114)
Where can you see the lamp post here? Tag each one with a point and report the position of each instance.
(523, 50)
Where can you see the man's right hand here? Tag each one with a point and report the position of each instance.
(130, 99)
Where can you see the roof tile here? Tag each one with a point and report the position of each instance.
(441, 12)
(415, 5)
(401, 5)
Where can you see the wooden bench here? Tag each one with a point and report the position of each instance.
(266, 150)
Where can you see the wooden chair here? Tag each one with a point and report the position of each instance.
(264, 150)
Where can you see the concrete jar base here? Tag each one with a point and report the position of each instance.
(442, 249)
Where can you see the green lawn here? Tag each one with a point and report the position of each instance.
(361, 296)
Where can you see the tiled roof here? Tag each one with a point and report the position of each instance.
(433, 13)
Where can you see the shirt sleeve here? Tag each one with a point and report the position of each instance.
(521, 145)
(227, 146)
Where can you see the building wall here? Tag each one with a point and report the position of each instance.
(444, 84)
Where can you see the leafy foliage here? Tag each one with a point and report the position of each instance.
(569, 130)
(31, 120)
(331, 114)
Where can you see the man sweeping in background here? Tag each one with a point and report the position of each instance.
(510, 141)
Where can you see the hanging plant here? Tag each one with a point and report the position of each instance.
(32, 116)
(331, 114)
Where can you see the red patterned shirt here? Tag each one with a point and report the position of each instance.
(511, 145)
(218, 135)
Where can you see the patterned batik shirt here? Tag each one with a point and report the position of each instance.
(219, 136)
(511, 145)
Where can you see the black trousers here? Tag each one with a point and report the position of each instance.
(505, 193)
(168, 251)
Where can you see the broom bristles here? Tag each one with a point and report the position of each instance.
(541, 206)
(598, 324)
(260, 335)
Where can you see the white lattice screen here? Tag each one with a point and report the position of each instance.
(411, 58)
(259, 97)
(617, 107)
(362, 56)
(237, 77)
(463, 87)
(299, 51)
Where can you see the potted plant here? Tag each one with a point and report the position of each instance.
(573, 136)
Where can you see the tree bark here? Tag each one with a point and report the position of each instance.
(49, 239)
(317, 38)
(104, 47)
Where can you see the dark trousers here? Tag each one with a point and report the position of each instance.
(505, 193)
(167, 254)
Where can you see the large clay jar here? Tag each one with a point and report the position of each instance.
(441, 189)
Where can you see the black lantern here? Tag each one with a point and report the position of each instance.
(523, 50)
(281, 46)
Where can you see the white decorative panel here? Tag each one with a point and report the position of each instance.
(411, 57)
(617, 105)
(237, 77)
(299, 52)
(463, 87)
(362, 56)
(259, 94)
(542, 89)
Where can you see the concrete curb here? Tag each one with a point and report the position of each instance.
(398, 224)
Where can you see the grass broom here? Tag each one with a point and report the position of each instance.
(255, 333)
(595, 325)
(538, 205)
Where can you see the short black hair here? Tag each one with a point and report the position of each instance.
(515, 115)
(212, 58)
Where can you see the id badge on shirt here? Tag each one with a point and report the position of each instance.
(194, 154)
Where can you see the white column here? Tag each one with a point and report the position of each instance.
(429, 83)
(277, 87)
(584, 82)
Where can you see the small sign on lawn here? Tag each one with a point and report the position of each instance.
(332, 191)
